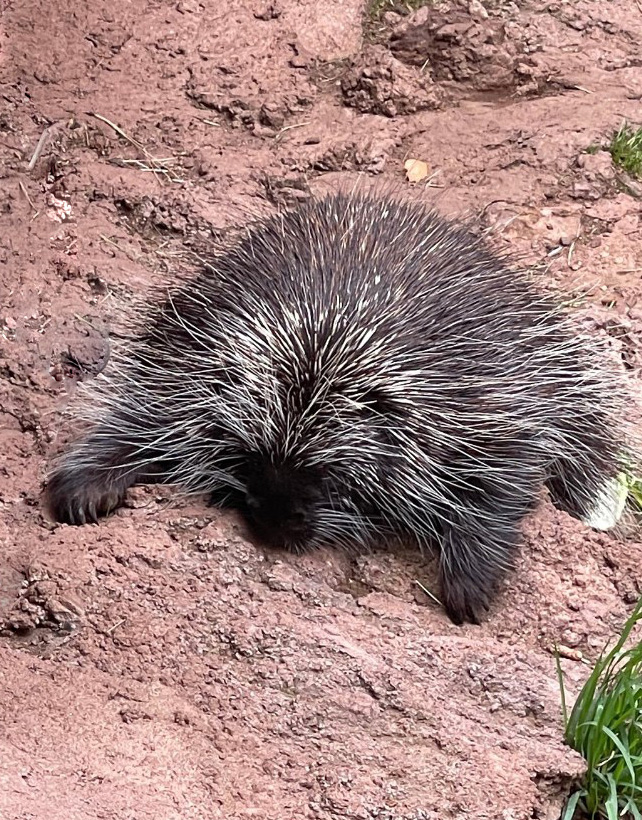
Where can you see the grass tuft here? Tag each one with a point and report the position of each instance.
(626, 149)
(605, 727)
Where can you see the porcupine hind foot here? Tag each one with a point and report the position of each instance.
(90, 482)
(584, 481)
(472, 562)
(579, 489)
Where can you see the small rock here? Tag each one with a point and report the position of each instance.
(269, 12)
(188, 7)
(597, 166)
(21, 622)
(263, 131)
(60, 614)
(477, 10)
(567, 652)
(271, 116)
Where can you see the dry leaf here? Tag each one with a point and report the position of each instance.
(416, 170)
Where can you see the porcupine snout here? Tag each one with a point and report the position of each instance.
(281, 504)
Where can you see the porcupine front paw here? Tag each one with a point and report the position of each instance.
(82, 496)
(464, 600)
(472, 563)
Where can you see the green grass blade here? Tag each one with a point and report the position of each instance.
(633, 810)
(571, 806)
(623, 751)
(611, 805)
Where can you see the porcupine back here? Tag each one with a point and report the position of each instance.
(354, 370)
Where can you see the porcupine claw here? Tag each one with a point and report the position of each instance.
(74, 498)
(80, 515)
(464, 606)
(92, 515)
(65, 514)
(468, 576)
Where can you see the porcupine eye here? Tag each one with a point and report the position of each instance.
(376, 404)
(382, 412)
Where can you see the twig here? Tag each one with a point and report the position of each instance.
(289, 128)
(120, 132)
(429, 180)
(39, 147)
(157, 165)
(569, 258)
(115, 626)
(118, 247)
(27, 197)
(428, 593)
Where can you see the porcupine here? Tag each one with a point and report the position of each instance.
(353, 371)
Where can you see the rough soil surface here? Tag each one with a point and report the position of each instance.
(159, 666)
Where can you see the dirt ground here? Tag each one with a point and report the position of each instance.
(159, 666)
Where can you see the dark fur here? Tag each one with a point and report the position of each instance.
(439, 428)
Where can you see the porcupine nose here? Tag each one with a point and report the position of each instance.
(278, 521)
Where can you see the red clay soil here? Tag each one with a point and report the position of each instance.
(160, 666)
